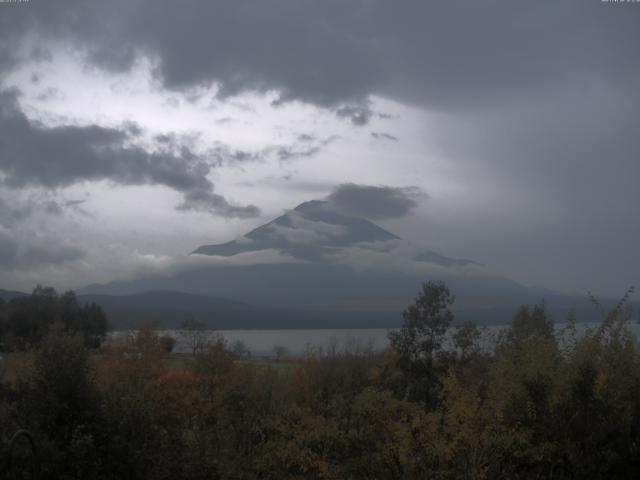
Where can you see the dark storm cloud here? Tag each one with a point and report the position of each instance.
(35, 155)
(375, 202)
(336, 53)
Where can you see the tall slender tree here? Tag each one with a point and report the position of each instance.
(420, 339)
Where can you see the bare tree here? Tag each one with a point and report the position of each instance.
(195, 334)
(240, 348)
(280, 351)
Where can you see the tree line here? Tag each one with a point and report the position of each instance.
(540, 404)
(25, 320)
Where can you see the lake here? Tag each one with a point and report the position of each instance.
(263, 343)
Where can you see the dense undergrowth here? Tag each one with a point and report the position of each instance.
(542, 404)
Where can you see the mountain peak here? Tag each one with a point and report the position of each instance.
(315, 230)
(311, 205)
(306, 232)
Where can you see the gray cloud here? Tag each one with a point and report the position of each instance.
(41, 54)
(375, 202)
(225, 121)
(50, 94)
(306, 137)
(11, 214)
(207, 201)
(384, 136)
(558, 196)
(337, 53)
(17, 251)
(225, 155)
(535, 104)
(357, 114)
(74, 203)
(14, 210)
(306, 146)
(32, 154)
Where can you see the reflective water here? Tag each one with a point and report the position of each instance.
(267, 343)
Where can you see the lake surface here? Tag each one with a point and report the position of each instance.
(263, 343)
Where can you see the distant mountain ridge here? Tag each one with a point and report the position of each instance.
(168, 308)
(8, 295)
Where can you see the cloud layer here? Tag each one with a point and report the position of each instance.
(52, 157)
(336, 53)
(520, 120)
(375, 202)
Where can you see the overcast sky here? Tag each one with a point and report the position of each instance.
(132, 132)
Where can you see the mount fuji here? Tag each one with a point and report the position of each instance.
(316, 264)
(313, 231)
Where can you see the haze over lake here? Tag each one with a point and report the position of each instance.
(297, 342)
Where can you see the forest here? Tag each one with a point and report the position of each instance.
(540, 403)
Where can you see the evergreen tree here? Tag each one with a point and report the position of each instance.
(420, 339)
